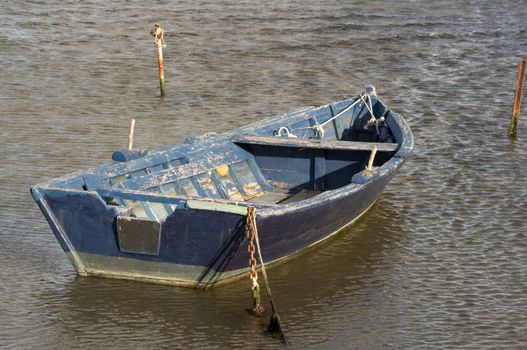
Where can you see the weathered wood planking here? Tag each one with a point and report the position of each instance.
(305, 189)
(314, 143)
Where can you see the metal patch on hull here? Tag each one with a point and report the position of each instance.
(138, 235)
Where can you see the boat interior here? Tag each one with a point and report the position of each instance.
(262, 166)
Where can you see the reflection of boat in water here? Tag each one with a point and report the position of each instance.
(177, 215)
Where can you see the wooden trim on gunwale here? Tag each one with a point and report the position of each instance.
(313, 143)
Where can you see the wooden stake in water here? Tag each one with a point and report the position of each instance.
(131, 135)
(159, 42)
(513, 128)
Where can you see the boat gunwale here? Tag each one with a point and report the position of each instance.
(405, 149)
(265, 210)
(184, 148)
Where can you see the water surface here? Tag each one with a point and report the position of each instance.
(439, 262)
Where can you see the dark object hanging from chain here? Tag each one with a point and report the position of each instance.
(257, 309)
(252, 236)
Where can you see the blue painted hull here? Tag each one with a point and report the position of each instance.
(201, 247)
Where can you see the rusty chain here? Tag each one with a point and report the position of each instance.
(257, 308)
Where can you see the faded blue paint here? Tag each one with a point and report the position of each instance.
(127, 155)
(216, 171)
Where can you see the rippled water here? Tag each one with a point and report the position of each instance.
(439, 262)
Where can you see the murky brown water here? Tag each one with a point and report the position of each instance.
(439, 262)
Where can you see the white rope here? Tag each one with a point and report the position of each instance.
(287, 132)
(318, 129)
(372, 120)
(371, 108)
(341, 112)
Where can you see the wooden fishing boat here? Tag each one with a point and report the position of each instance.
(177, 215)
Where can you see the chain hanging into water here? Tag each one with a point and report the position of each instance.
(257, 309)
(252, 236)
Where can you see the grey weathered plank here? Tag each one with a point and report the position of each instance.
(317, 144)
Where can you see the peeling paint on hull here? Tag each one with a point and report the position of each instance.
(176, 215)
(172, 274)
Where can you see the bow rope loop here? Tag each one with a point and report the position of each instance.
(366, 99)
(257, 308)
(319, 131)
(158, 33)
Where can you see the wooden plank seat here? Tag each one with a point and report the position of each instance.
(277, 141)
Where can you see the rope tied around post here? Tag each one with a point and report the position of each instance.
(158, 33)
(252, 237)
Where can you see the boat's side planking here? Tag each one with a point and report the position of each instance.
(198, 190)
(201, 244)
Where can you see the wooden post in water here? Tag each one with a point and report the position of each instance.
(159, 42)
(131, 135)
(513, 128)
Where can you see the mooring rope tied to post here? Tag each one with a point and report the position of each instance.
(159, 41)
(257, 310)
